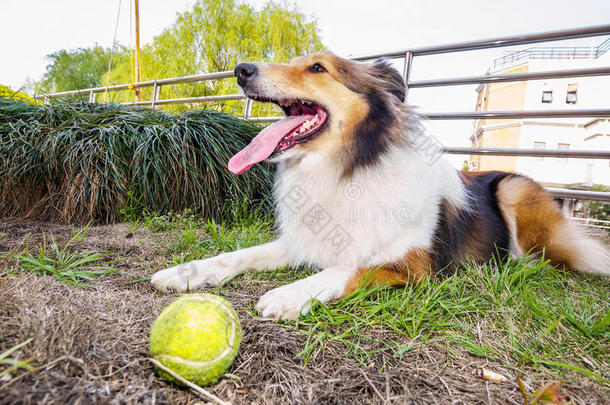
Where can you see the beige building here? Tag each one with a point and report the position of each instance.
(547, 133)
(499, 133)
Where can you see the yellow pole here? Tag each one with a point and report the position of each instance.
(137, 49)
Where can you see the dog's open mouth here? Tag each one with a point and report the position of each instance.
(312, 116)
(303, 120)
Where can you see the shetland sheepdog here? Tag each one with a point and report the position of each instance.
(357, 198)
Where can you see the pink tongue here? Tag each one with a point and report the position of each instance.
(263, 145)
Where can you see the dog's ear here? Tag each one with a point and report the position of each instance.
(393, 81)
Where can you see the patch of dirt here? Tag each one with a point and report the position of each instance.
(90, 345)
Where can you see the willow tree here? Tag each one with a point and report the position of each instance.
(72, 69)
(214, 36)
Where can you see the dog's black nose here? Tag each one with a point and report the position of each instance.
(245, 72)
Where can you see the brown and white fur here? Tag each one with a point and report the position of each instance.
(402, 218)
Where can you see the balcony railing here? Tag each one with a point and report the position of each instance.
(563, 52)
(408, 56)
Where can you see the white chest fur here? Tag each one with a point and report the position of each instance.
(374, 218)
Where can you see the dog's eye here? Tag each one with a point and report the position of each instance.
(317, 68)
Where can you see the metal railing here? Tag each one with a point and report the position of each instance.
(408, 56)
(563, 52)
(156, 85)
(593, 223)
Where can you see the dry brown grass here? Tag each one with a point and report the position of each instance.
(90, 344)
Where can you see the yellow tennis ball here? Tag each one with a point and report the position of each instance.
(196, 336)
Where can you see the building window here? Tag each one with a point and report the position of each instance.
(540, 146)
(547, 96)
(572, 97)
(547, 93)
(563, 146)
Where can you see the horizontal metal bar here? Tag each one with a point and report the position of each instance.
(118, 87)
(577, 113)
(579, 194)
(458, 150)
(514, 77)
(517, 114)
(263, 119)
(589, 220)
(193, 78)
(203, 99)
(456, 47)
(576, 154)
(572, 33)
(471, 45)
(596, 226)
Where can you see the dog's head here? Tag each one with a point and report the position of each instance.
(334, 106)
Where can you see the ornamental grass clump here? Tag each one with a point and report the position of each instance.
(80, 162)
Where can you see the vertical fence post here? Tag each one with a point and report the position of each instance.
(91, 97)
(247, 108)
(155, 94)
(407, 71)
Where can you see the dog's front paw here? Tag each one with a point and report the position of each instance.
(192, 275)
(292, 300)
(286, 302)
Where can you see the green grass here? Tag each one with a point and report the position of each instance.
(14, 364)
(187, 237)
(519, 313)
(80, 162)
(66, 266)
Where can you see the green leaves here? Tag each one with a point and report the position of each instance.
(16, 95)
(64, 265)
(75, 69)
(213, 36)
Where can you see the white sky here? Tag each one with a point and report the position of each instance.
(32, 29)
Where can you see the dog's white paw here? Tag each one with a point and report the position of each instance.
(193, 275)
(286, 302)
(292, 300)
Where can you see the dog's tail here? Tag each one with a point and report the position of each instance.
(536, 222)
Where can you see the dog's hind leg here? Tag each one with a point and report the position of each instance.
(412, 268)
(218, 270)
